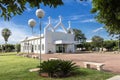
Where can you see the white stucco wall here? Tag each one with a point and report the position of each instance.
(49, 42)
(35, 43)
(51, 37)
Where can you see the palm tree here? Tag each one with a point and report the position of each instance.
(6, 33)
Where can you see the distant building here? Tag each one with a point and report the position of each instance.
(52, 41)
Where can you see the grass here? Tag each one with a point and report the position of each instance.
(8, 53)
(14, 67)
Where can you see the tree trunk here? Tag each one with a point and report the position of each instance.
(119, 43)
(5, 46)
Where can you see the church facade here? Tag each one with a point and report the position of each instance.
(52, 41)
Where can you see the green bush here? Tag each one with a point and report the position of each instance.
(58, 68)
(8, 48)
(115, 48)
(66, 68)
(50, 67)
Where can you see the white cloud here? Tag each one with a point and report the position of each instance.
(88, 20)
(18, 32)
(85, 3)
(98, 29)
(74, 17)
(29, 9)
(88, 40)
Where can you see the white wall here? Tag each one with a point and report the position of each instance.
(48, 42)
(35, 43)
(51, 37)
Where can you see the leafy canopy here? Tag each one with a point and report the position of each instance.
(10, 8)
(97, 41)
(79, 35)
(108, 13)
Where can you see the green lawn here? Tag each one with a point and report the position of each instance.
(14, 67)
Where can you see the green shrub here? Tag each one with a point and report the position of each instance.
(67, 68)
(50, 67)
(8, 48)
(58, 68)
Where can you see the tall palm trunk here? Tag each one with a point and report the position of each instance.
(5, 46)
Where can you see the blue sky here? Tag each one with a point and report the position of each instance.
(73, 10)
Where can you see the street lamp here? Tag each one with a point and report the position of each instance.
(31, 23)
(40, 13)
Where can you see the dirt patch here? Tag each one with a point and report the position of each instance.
(112, 61)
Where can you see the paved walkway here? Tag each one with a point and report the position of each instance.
(115, 78)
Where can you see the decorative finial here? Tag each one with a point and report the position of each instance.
(49, 18)
(69, 23)
(60, 18)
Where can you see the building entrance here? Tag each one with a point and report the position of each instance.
(60, 48)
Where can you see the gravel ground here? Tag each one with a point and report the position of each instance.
(111, 60)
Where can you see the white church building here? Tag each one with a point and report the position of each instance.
(52, 40)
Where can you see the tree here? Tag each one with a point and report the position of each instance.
(118, 42)
(79, 36)
(108, 13)
(6, 33)
(88, 46)
(11, 8)
(109, 44)
(9, 48)
(17, 48)
(97, 41)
